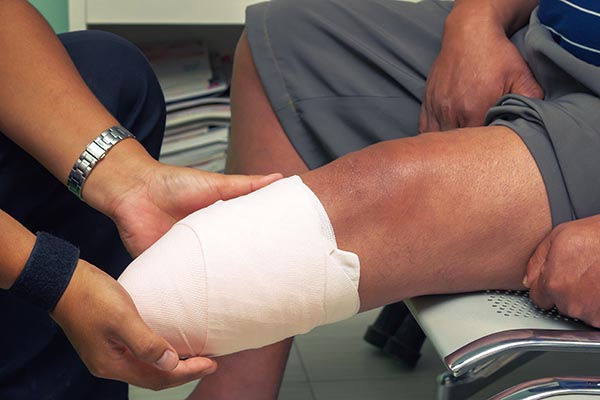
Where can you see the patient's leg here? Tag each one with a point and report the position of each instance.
(258, 144)
(437, 213)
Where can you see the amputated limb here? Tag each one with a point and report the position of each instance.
(245, 273)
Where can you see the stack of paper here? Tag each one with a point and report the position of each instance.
(198, 111)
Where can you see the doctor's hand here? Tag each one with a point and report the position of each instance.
(149, 197)
(104, 327)
(564, 271)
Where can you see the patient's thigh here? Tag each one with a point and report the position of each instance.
(437, 213)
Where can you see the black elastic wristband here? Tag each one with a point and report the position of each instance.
(47, 272)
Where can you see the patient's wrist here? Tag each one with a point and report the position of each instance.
(468, 19)
(507, 16)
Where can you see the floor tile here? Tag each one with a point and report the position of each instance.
(338, 352)
(341, 365)
(295, 391)
(178, 393)
(329, 359)
(376, 389)
(294, 370)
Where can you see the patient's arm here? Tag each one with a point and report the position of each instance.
(477, 64)
(437, 213)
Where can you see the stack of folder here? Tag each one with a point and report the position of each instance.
(198, 107)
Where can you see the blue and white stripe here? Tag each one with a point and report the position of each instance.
(575, 25)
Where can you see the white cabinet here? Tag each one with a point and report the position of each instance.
(108, 12)
(219, 22)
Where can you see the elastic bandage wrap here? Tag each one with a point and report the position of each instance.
(245, 273)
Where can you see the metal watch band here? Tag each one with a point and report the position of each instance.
(93, 153)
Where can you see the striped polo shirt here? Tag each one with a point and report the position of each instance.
(575, 25)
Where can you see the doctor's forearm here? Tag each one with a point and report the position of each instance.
(46, 107)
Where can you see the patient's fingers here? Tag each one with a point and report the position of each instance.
(535, 279)
(537, 261)
(539, 295)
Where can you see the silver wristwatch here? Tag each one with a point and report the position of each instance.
(93, 153)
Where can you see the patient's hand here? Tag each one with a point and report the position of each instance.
(476, 66)
(564, 271)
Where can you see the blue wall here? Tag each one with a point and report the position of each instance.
(55, 11)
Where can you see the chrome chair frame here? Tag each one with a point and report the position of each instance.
(497, 331)
(546, 388)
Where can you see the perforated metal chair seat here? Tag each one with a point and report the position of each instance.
(479, 334)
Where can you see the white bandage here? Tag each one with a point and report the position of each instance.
(245, 273)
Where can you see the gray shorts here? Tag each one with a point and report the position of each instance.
(344, 74)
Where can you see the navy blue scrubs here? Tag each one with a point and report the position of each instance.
(36, 360)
